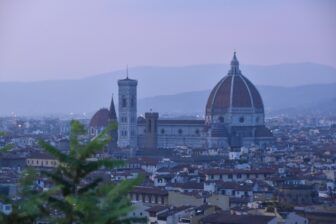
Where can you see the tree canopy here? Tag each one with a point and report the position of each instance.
(77, 193)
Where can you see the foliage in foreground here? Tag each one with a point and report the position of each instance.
(77, 195)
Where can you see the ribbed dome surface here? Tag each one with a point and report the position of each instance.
(100, 119)
(234, 91)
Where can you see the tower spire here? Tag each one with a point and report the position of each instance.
(113, 114)
(127, 71)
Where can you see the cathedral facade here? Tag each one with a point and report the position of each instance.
(234, 117)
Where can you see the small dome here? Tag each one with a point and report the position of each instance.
(141, 119)
(100, 119)
(234, 91)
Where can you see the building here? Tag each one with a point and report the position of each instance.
(41, 160)
(227, 218)
(101, 120)
(234, 117)
(235, 112)
(297, 195)
(127, 130)
(149, 195)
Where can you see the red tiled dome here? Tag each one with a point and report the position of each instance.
(234, 91)
(100, 119)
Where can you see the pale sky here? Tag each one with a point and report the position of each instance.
(70, 39)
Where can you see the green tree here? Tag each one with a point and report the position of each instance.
(7, 147)
(75, 198)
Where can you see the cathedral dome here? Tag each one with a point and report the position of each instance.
(100, 119)
(234, 91)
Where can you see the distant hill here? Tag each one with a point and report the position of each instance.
(158, 85)
(276, 99)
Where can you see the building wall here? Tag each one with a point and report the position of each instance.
(221, 201)
(236, 177)
(173, 135)
(179, 199)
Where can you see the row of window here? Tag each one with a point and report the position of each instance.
(241, 119)
(239, 176)
(233, 193)
(179, 131)
(124, 119)
(124, 133)
(149, 198)
(124, 102)
(43, 162)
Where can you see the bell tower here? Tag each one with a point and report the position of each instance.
(127, 117)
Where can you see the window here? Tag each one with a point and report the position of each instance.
(257, 119)
(149, 127)
(124, 102)
(162, 131)
(221, 119)
(230, 176)
(132, 102)
(197, 132)
(123, 133)
(239, 176)
(241, 119)
(180, 131)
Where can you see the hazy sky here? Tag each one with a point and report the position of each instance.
(66, 39)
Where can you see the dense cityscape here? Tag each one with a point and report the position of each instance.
(167, 112)
(285, 173)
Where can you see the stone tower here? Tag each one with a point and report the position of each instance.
(151, 130)
(127, 123)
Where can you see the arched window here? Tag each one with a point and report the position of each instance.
(149, 128)
(132, 102)
(124, 102)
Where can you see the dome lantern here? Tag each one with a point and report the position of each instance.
(234, 66)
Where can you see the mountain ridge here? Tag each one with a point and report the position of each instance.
(93, 92)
